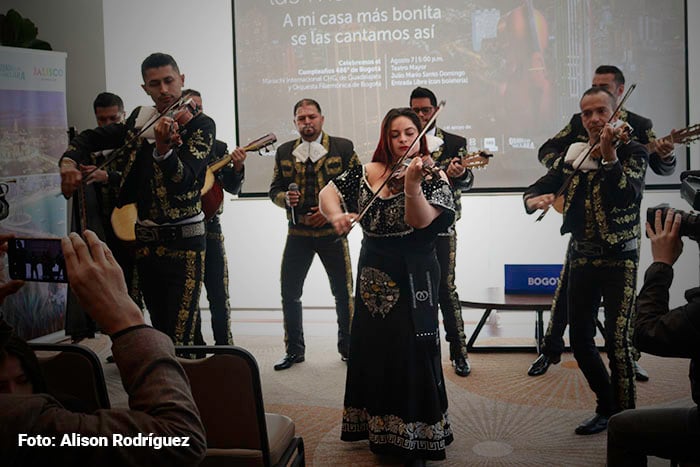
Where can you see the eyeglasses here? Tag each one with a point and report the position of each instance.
(423, 110)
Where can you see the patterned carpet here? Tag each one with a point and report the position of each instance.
(500, 416)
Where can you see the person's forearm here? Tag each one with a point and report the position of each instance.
(658, 330)
(232, 180)
(188, 162)
(464, 182)
(329, 201)
(419, 213)
(623, 182)
(160, 401)
(662, 166)
(146, 359)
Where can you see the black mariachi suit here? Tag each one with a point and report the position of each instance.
(446, 245)
(215, 263)
(574, 132)
(601, 208)
(304, 241)
(165, 192)
(124, 252)
(98, 200)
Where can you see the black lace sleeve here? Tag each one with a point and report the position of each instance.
(347, 185)
(439, 194)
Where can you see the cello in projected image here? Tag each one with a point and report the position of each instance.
(525, 88)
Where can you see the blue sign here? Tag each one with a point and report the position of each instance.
(531, 278)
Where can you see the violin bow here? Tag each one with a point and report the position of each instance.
(567, 182)
(394, 168)
(183, 100)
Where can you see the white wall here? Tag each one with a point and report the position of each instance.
(73, 26)
(494, 229)
(197, 34)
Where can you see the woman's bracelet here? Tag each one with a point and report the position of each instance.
(408, 195)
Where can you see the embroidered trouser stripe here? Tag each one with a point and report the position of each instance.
(446, 250)
(614, 280)
(216, 283)
(553, 341)
(298, 255)
(170, 278)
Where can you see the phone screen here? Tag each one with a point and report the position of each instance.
(36, 259)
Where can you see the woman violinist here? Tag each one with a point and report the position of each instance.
(395, 393)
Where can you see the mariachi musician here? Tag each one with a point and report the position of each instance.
(229, 178)
(166, 151)
(92, 209)
(602, 186)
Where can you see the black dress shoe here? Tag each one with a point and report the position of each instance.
(640, 374)
(593, 425)
(541, 364)
(462, 366)
(287, 361)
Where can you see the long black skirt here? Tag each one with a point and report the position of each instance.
(395, 391)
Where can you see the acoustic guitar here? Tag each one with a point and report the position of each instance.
(474, 160)
(124, 219)
(212, 192)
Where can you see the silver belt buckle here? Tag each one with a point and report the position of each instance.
(193, 230)
(146, 235)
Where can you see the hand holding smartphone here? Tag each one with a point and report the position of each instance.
(36, 259)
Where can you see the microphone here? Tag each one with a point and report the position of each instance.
(293, 187)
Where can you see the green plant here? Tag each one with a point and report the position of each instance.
(16, 31)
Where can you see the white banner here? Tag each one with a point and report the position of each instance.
(32, 70)
(33, 136)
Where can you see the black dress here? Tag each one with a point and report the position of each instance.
(395, 392)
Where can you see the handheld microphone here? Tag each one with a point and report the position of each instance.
(293, 187)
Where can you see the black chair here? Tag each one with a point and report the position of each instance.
(226, 388)
(73, 371)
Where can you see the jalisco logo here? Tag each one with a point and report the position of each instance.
(48, 72)
(10, 71)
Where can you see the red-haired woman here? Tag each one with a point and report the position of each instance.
(395, 392)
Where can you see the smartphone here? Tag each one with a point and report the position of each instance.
(36, 259)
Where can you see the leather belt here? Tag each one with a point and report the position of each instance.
(593, 249)
(169, 233)
(305, 220)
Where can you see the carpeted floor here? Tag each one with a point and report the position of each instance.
(500, 416)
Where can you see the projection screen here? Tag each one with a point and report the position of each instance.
(510, 71)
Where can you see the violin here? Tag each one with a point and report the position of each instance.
(396, 180)
(622, 134)
(181, 114)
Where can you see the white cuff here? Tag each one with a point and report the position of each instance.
(158, 157)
